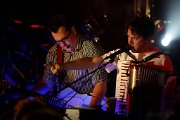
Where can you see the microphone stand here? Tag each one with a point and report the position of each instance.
(69, 85)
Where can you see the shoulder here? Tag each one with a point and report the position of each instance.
(85, 41)
(89, 43)
(163, 60)
(52, 51)
(53, 48)
(92, 47)
(167, 62)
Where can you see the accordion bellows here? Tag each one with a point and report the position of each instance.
(141, 89)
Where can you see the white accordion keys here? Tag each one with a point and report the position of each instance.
(121, 90)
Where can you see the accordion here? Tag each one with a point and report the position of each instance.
(141, 89)
(145, 76)
(147, 90)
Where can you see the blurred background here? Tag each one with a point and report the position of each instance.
(24, 39)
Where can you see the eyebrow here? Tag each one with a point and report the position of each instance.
(64, 38)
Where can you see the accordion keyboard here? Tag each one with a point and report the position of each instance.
(122, 88)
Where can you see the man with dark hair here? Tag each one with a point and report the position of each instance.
(142, 54)
(71, 45)
(34, 109)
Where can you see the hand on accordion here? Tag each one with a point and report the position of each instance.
(54, 68)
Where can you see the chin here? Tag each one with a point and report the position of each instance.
(134, 50)
(69, 50)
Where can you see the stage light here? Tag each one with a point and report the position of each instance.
(166, 40)
(165, 33)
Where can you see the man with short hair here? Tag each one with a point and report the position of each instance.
(71, 45)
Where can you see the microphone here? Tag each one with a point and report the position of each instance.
(113, 55)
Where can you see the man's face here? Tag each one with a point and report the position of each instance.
(65, 39)
(135, 41)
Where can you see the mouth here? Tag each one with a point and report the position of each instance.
(68, 48)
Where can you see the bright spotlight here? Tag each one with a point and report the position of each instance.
(166, 40)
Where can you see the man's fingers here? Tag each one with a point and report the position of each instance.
(53, 67)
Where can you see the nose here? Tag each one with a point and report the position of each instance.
(130, 41)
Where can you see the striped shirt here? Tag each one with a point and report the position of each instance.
(85, 48)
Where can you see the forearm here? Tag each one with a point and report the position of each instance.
(78, 64)
(83, 63)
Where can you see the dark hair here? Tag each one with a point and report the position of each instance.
(29, 107)
(59, 20)
(45, 114)
(142, 25)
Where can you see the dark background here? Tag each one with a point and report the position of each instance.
(25, 41)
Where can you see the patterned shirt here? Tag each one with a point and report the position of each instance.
(85, 48)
